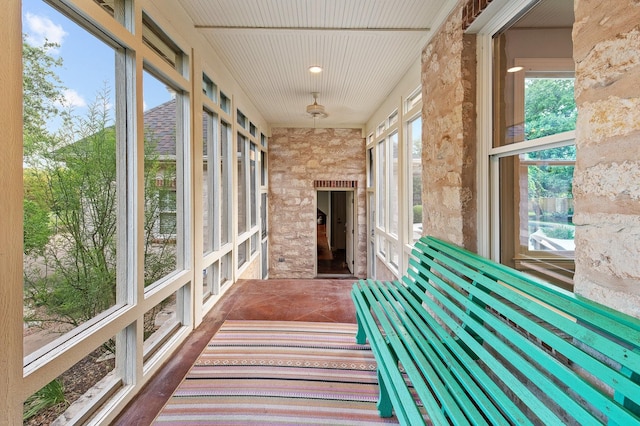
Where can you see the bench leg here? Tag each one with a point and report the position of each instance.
(384, 402)
(361, 336)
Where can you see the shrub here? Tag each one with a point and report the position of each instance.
(51, 394)
(417, 214)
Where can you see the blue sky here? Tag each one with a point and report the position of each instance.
(88, 63)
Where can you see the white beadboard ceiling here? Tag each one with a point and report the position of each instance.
(364, 46)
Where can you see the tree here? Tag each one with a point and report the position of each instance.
(550, 108)
(81, 260)
(43, 95)
(72, 182)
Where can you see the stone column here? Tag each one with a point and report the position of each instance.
(448, 134)
(606, 40)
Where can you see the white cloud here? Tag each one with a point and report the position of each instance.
(73, 99)
(41, 28)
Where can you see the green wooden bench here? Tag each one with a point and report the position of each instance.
(464, 340)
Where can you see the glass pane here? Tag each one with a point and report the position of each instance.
(415, 143)
(209, 88)
(209, 182)
(370, 167)
(242, 253)
(71, 176)
(537, 226)
(242, 184)
(254, 243)
(263, 214)
(226, 269)
(210, 281)
(265, 260)
(532, 82)
(263, 168)
(381, 180)
(161, 182)
(549, 106)
(225, 103)
(160, 43)
(226, 200)
(78, 387)
(253, 184)
(394, 254)
(241, 119)
(160, 322)
(393, 185)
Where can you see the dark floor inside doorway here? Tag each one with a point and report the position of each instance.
(330, 261)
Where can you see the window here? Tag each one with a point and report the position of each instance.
(209, 88)
(162, 182)
(242, 184)
(225, 103)
(381, 180)
(241, 119)
(161, 44)
(413, 100)
(210, 208)
(534, 153)
(75, 208)
(226, 198)
(394, 184)
(414, 145)
(253, 185)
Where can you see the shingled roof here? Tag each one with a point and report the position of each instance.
(160, 125)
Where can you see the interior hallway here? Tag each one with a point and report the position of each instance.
(321, 300)
(330, 262)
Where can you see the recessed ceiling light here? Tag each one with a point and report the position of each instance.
(315, 69)
(515, 69)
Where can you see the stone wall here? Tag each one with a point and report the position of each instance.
(448, 134)
(298, 157)
(606, 39)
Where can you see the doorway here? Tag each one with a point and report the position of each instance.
(335, 233)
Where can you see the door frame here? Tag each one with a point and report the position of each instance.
(353, 219)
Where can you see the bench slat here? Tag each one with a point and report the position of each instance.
(530, 370)
(506, 376)
(601, 343)
(403, 401)
(423, 366)
(470, 396)
(624, 327)
(481, 343)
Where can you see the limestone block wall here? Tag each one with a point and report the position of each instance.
(448, 134)
(298, 157)
(606, 40)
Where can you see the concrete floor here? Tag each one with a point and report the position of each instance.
(320, 300)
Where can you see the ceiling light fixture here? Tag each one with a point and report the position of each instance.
(316, 110)
(315, 69)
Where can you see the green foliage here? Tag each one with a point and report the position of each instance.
(43, 93)
(51, 394)
(560, 232)
(36, 228)
(72, 183)
(82, 194)
(417, 214)
(550, 107)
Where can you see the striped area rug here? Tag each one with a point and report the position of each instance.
(278, 372)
